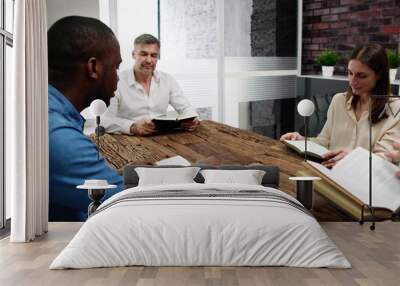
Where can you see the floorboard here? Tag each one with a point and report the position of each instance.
(375, 257)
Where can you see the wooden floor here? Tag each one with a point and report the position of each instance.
(375, 257)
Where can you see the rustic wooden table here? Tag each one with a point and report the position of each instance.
(214, 144)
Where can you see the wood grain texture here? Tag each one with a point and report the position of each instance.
(215, 144)
(374, 255)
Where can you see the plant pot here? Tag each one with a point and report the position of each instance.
(327, 70)
(393, 74)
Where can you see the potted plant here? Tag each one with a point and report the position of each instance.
(327, 59)
(394, 62)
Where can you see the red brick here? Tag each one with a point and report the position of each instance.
(349, 31)
(315, 54)
(329, 18)
(339, 25)
(369, 14)
(348, 16)
(391, 12)
(391, 29)
(321, 12)
(379, 22)
(311, 47)
(332, 3)
(321, 26)
(328, 33)
(379, 38)
(320, 40)
(339, 10)
(313, 6)
(383, 4)
(350, 2)
(396, 21)
(341, 39)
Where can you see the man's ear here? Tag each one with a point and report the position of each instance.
(93, 68)
(133, 54)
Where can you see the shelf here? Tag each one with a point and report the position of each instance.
(337, 77)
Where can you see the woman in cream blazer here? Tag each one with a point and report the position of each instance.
(347, 125)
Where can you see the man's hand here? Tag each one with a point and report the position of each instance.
(332, 157)
(143, 127)
(292, 136)
(190, 125)
(395, 155)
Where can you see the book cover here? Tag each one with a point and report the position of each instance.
(313, 149)
(170, 123)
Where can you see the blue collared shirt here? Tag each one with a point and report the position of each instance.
(72, 159)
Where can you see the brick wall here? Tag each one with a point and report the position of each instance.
(342, 24)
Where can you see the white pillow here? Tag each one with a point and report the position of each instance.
(248, 177)
(163, 176)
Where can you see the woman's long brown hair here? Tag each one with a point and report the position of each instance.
(374, 56)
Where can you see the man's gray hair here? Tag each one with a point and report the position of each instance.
(146, 39)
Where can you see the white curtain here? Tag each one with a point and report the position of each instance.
(26, 123)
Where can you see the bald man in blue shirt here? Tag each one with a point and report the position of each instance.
(83, 58)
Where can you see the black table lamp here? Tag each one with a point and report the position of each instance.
(98, 107)
(305, 108)
(394, 113)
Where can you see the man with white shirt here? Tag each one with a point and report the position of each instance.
(144, 93)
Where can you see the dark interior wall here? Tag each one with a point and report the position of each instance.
(273, 34)
(274, 28)
(286, 23)
(342, 24)
(263, 28)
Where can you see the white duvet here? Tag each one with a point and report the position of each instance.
(200, 231)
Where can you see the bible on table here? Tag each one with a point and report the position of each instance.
(347, 184)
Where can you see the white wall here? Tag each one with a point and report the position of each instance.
(57, 9)
(237, 28)
(133, 19)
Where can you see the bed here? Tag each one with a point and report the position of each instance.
(201, 224)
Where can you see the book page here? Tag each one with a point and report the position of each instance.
(176, 160)
(166, 118)
(312, 147)
(187, 117)
(352, 173)
(177, 118)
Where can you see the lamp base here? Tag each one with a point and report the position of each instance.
(305, 193)
(100, 131)
(95, 196)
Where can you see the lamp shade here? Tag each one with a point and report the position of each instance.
(305, 107)
(98, 107)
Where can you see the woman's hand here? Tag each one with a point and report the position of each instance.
(395, 155)
(292, 136)
(332, 157)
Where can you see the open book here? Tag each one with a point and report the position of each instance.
(313, 149)
(350, 175)
(175, 160)
(171, 123)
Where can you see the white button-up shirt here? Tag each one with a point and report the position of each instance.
(131, 103)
